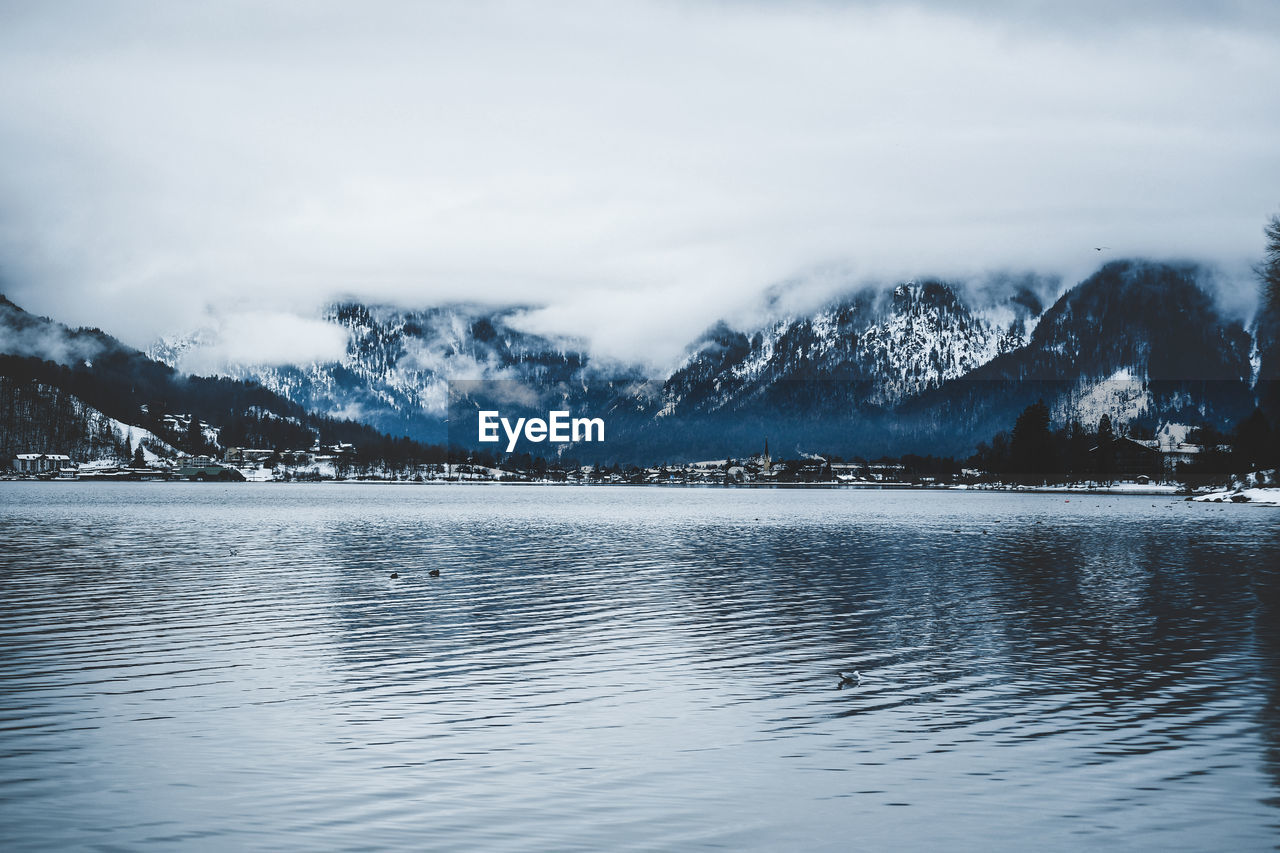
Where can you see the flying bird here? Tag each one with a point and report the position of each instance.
(1100, 248)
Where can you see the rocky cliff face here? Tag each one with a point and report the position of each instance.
(871, 349)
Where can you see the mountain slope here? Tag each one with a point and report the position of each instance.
(1155, 319)
(925, 366)
(868, 352)
(398, 364)
(47, 367)
(1142, 342)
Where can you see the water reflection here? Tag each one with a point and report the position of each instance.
(234, 666)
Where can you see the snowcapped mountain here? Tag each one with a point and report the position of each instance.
(874, 348)
(1141, 342)
(81, 390)
(1156, 320)
(395, 372)
(925, 364)
(870, 349)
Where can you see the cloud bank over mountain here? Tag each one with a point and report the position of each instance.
(638, 169)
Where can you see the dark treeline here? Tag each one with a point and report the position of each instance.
(1034, 453)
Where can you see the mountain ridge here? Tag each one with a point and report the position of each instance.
(921, 364)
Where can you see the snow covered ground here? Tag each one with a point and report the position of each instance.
(135, 435)
(1263, 496)
(1090, 488)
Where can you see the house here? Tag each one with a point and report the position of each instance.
(343, 449)
(297, 457)
(847, 472)
(1177, 455)
(40, 463)
(1129, 459)
(1181, 458)
(177, 423)
(246, 455)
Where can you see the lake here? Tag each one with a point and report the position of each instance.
(232, 667)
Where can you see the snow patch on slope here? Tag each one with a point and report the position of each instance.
(1123, 396)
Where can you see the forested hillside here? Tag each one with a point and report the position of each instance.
(52, 378)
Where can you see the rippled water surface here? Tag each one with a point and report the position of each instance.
(231, 666)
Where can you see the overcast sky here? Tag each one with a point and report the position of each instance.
(638, 168)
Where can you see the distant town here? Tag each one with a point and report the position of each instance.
(1110, 460)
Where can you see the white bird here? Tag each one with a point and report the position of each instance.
(849, 679)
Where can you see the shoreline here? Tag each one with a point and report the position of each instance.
(1266, 496)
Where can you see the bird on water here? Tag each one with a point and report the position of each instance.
(849, 679)
(435, 573)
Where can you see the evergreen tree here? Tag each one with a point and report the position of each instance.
(1270, 269)
(1105, 455)
(1254, 444)
(1268, 323)
(1031, 449)
(139, 461)
(195, 437)
(1078, 441)
(103, 440)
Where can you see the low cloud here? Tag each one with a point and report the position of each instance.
(45, 342)
(269, 339)
(638, 169)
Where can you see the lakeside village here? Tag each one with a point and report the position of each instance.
(1197, 461)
